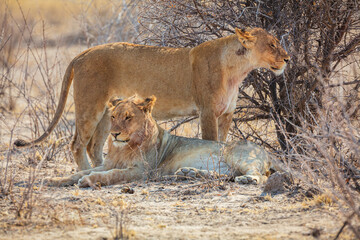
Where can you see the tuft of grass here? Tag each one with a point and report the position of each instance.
(323, 199)
(320, 200)
(122, 230)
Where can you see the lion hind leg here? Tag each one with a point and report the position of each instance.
(79, 152)
(250, 179)
(252, 172)
(86, 123)
(192, 173)
(250, 163)
(96, 144)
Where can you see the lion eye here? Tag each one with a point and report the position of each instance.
(272, 45)
(112, 117)
(127, 117)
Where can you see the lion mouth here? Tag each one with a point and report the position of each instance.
(122, 141)
(277, 71)
(275, 68)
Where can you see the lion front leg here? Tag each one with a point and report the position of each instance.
(209, 125)
(60, 181)
(224, 125)
(111, 177)
(70, 180)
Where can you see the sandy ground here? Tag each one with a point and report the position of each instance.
(192, 209)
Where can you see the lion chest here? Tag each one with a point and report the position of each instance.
(226, 101)
(233, 75)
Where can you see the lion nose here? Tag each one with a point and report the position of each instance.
(115, 135)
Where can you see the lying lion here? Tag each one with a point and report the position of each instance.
(138, 146)
(203, 81)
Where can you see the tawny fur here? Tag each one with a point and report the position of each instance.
(202, 81)
(139, 148)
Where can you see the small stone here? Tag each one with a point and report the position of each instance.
(278, 183)
(128, 190)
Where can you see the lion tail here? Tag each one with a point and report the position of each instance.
(67, 80)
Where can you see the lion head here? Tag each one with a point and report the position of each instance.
(131, 120)
(266, 49)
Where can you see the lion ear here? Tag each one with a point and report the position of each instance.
(148, 104)
(246, 38)
(113, 102)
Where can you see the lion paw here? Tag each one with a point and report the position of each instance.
(85, 181)
(189, 172)
(92, 180)
(247, 179)
(49, 182)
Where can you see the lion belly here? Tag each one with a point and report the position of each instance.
(200, 160)
(182, 108)
(195, 153)
(236, 158)
(163, 72)
(122, 70)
